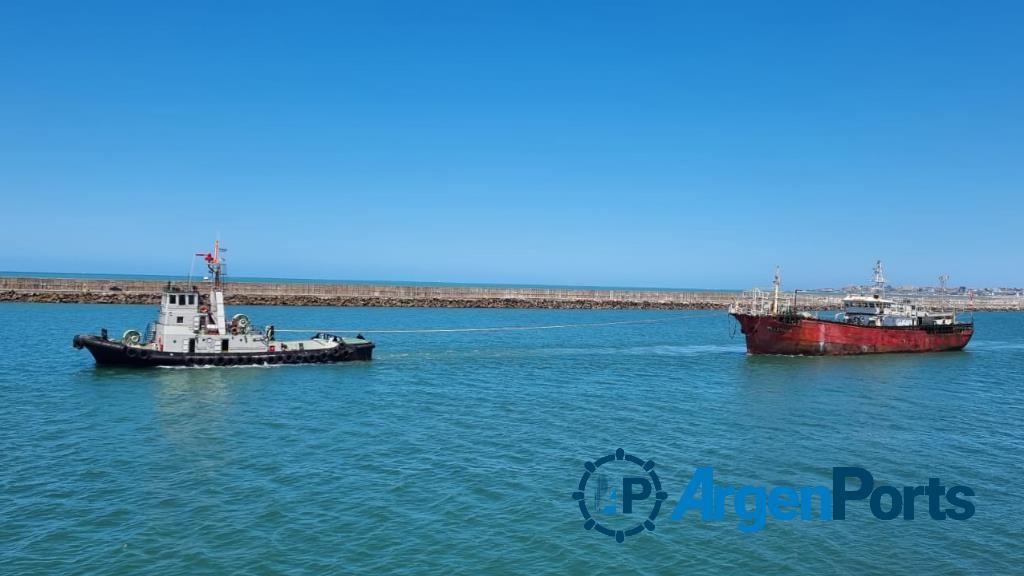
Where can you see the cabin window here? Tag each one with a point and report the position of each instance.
(224, 345)
(191, 299)
(181, 319)
(171, 299)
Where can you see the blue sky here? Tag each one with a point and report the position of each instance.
(681, 144)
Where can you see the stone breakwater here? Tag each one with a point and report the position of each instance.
(300, 300)
(100, 291)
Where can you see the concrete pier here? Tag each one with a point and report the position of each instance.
(117, 291)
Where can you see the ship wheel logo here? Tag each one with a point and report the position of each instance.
(635, 488)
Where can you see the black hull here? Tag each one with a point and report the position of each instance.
(111, 353)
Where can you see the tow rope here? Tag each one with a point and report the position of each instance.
(503, 328)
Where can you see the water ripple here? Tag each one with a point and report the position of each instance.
(457, 453)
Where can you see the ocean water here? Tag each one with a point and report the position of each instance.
(457, 453)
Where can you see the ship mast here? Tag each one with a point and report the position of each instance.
(776, 284)
(945, 300)
(215, 265)
(879, 279)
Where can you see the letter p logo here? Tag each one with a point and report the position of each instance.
(629, 495)
(634, 489)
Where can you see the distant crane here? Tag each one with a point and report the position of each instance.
(943, 280)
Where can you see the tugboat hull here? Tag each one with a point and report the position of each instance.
(816, 337)
(111, 353)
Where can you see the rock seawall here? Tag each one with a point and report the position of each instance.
(304, 300)
(120, 291)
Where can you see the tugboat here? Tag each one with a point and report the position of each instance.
(868, 324)
(193, 330)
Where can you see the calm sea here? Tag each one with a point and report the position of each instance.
(457, 453)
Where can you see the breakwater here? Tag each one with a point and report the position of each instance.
(121, 291)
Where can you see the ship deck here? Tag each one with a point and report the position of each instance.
(934, 328)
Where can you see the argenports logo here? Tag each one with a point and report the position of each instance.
(608, 521)
(620, 495)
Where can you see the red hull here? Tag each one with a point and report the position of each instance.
(806, 336)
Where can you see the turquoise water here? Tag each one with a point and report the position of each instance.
(457, 453)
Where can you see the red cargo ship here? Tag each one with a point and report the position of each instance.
(868, 324)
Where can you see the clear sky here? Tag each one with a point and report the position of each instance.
(679, 144)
